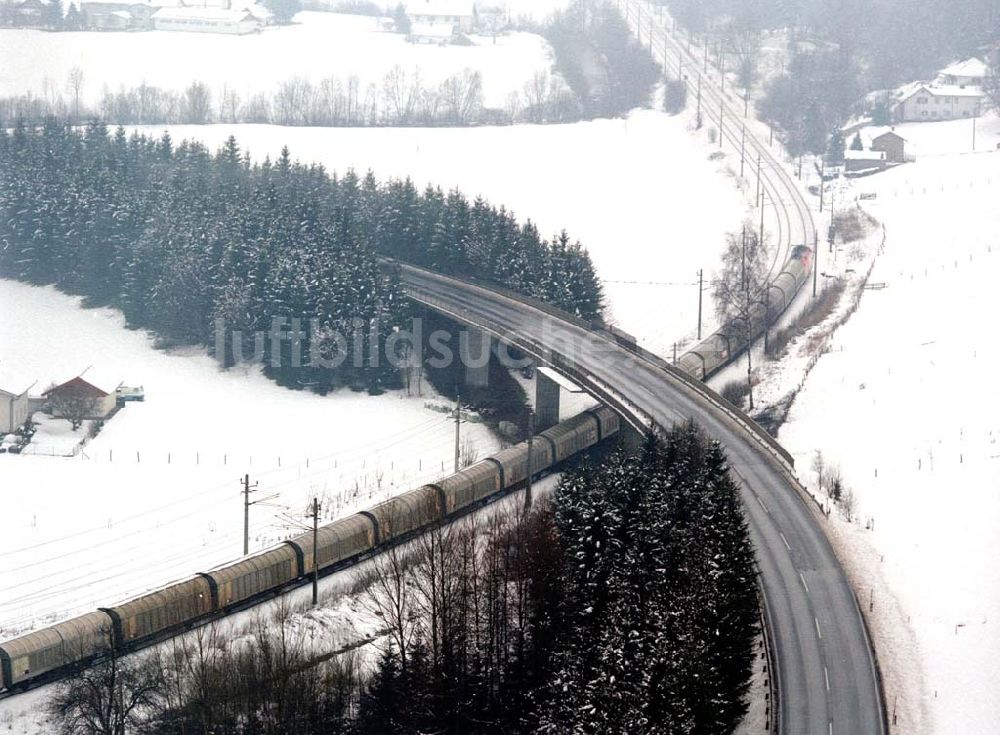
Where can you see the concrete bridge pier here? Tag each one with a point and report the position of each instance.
(546, 401)
(475, 346)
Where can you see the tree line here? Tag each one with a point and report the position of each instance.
(402, 99)
(839, 51)
(180, 238)
(626, 604)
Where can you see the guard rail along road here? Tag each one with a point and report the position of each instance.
(823, 662)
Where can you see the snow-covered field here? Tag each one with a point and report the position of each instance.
(949, 138)
(639, 193)
(157, 495)
(317, 46)
(906, 404)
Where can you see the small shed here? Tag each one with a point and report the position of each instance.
(892, 144)
(863, 161)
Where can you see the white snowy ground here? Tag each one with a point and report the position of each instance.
(639, 193)
(906, 404)
(156, 495)
(317, 46)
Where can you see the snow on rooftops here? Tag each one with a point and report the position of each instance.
(972, 68)
(186, 13)
(101, 379)
(453, 8)
(850, 155)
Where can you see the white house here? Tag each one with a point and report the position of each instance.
(206, 20)
(457, 15)
(969, 73)
(14, 408)
(927, 102)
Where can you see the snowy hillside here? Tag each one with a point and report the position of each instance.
(906, 405)
(639, 193)
(317, 46)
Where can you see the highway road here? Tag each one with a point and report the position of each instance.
(826, 674)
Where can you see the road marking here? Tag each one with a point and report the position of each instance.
(831, 727)
(762, 505)
(826, 675)
(803, 581)
(785, 540)
(818, 631)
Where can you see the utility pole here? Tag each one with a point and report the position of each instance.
(758, 177)
(822, 183)
(762, 193)
(722, 114)
(315, 574)
(247, 489)
(458, 430)
(531, 441)
(747, 316)
(975, 114)
(698, 118)
(767, 316)
(815, 261)
(743, 148)
(701, 287)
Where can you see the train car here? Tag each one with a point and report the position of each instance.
(150, 614)
(36, 653)
(336, 541)
(253, 575)
(572, 436)
(406, 512)
(513, 462)
(470, 485)
(609, 422)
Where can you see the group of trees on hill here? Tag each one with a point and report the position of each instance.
(841, 50)
(596, 53)
(179, 238)
(626, 604)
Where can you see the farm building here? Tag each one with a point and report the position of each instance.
(206, 20)
(92, 397)
(455, 16)
(14, 404)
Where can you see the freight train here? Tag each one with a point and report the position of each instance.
(715, 352)
(44, 653)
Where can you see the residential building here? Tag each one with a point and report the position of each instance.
(121, 15)
(969, 73)
(457, 15)
(14, 404)
(206, 20)
(928, 102)
(100, 392)
(29, 13)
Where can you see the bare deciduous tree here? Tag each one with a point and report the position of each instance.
(740, 290)
(197, 103)
(74, 82)
(114, 697)
(73, 404)
(462, 95)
